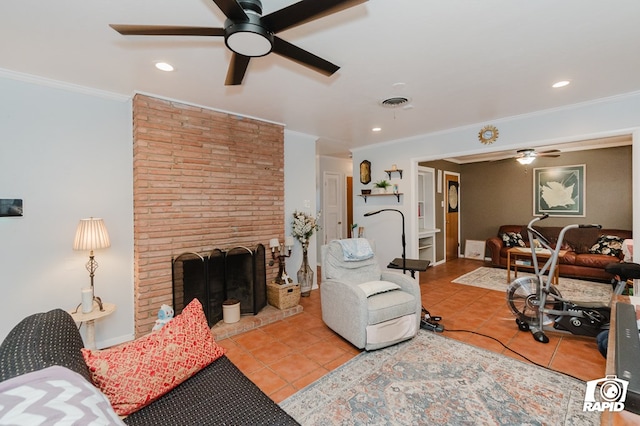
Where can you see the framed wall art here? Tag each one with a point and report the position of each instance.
(10, 207)
(365, 172)
(559, 191)
(452, 196)
(474, 249)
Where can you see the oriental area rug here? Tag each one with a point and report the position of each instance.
(434, 380)
(573, 289)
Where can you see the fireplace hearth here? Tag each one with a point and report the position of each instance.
(238, 273)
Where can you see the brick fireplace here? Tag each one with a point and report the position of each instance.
(202, 179)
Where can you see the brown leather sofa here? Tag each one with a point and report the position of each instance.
(578, 262)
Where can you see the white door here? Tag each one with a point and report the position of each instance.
(332, 207)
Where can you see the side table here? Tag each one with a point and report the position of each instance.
(515, 253)
(90, 318)
(411, 265)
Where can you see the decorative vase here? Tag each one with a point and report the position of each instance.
(305, 274)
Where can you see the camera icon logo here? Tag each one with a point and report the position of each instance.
(606, 394)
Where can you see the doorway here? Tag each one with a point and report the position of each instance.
(333, 206)
(452, 215)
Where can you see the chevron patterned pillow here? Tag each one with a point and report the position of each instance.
(54, 395)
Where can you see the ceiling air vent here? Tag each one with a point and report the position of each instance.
(394, 102)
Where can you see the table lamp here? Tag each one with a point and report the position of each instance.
(91, 234)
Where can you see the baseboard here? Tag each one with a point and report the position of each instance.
(114, 341)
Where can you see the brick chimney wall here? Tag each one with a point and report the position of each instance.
(202, 179)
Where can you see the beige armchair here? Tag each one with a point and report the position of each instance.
(368, 307)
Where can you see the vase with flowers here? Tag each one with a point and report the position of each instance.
(304, 225)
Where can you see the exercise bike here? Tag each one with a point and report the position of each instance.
(539, 306)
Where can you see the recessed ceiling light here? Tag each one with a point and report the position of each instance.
(376, 129)
(561, 84)
(163, 66)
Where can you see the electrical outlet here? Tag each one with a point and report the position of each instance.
(307, 204)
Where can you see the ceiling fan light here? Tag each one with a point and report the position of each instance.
(526, 160)
(164, 66)
(248, 39)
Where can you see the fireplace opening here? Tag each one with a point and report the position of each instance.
(246, 278)
(238, 273)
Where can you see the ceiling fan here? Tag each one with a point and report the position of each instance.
(526, 156)
(248, 34)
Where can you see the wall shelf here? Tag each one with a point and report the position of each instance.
(389, 172)
(365, 196)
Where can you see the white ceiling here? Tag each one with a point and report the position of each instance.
(462, 62)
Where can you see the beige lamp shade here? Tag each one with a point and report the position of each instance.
(91, 235)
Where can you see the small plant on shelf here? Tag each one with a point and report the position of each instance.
(382, 185)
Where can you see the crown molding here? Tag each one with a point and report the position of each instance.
(56, 84)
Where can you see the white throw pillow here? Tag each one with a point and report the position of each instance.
(54, 395)
(375, 287)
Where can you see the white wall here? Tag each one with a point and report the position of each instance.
(612, 116)
(299, 194)
(68, 155)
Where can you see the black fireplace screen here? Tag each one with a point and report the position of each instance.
(189, 268)
(215, 284)
(239, 273)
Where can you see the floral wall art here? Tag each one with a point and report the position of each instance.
(559, 191)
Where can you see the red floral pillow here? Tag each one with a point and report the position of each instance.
(136, 373)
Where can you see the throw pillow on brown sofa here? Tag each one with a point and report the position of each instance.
(512, 239)
(610, 245)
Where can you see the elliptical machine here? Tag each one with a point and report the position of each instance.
(539, 306)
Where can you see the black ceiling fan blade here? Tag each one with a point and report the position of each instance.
(167, 30)
(232, 10)
(237, 69)
(301, 56)
(304, 11)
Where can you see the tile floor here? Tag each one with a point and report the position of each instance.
(285, 356)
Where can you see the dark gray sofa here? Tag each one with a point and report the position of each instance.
(219, 394)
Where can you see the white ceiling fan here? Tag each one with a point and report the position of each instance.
(526, 156)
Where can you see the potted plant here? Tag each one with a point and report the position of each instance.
(381, 186)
